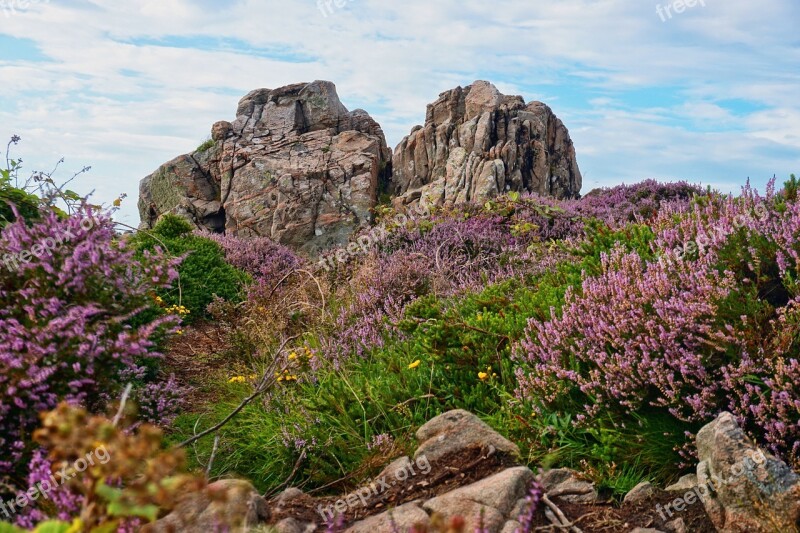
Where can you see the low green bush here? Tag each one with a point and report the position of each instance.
(203, 271)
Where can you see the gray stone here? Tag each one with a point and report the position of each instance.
(640, 492)
(398, 465)
(404, 517)
(457, 430)
(512, 526)
(500, 491)
(492, 500)
(687, 482)
(288, 495)
(567, 485)
(295, 166)
(231, 503)
(752, 490)
(289, 525)
(676, 526)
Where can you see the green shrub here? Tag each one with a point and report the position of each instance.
(206, 145)
(451, 353)
(27, 205)
(203, 272)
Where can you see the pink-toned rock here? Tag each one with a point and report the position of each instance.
(295, 166)
(492, 500)
(456, 431)
(478, 143)
(402, 518)
(231, 504)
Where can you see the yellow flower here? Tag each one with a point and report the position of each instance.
(483, 376)
(415, 364)
(237, 379)
(292, 356)
(179, 332)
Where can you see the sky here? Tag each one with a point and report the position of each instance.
(704, 91)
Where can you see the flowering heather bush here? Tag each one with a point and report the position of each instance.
(615, 207)
(632, 329)
(160, 402)
(709, 325)
(262, 258)
(452, 256)
(65, 317)
(470, 246)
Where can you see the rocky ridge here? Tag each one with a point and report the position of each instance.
(465, 475)
(298, 167)
(477, 143)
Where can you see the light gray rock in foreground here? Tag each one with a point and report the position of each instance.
(752, 490)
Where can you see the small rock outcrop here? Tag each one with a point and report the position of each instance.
(295, 166)
(567, 484)
(477, 143)
(742, 487)
(232, 502)
(457, 430)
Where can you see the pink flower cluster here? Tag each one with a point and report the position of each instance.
(67, 320)
(710, 325)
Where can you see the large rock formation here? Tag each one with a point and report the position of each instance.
(297, 167)
(294, 166)
(478, 143)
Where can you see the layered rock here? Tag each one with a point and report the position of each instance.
(295, 166)
(477, 143)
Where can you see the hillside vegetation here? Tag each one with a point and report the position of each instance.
(598, 333)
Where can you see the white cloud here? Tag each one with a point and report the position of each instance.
(130, 85)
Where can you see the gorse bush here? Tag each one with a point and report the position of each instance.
(70, 291)
(203, 273)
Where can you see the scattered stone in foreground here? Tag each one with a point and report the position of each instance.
(566, 484)
(231, 501)
(642, 491)
(458, 430)
(753, 491)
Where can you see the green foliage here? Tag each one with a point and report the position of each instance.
(203, 272)
(50, 526)
(790, 188)
(27, 204)
(206, 145)
(454, 353)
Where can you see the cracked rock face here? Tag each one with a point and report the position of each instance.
(295, 166)
(478, 143)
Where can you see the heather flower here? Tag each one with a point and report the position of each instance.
(68, 314)
(709, 325)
